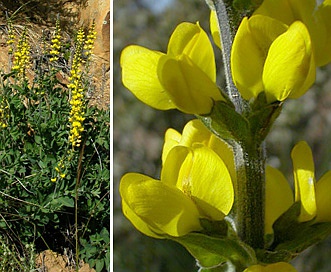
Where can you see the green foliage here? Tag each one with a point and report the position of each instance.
(214, 254)
(96, 251)
(11, 261)
(33, 208)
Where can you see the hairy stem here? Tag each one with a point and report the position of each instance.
(248, 210)
(226, 42)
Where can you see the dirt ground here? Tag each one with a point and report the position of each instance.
(49, 261)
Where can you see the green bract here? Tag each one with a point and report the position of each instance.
(276, 267)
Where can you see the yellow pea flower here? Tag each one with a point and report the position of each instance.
(314, 196)
(195, 132)
(269, 56)
(275, 267)
(189, 189)
(316, 19)
(184, 78)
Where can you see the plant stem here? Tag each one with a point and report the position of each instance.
(226, 42)
(78, 177)
(249, 187)
(248, 208)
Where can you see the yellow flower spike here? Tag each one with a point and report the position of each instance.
(278, 197)
(164, 209)
(193, 170)
(184, 78)
(304, 180)
(280, 62)
(55, 42)
(214, 29)
(323, 199)
(289, 69)
(275, 267)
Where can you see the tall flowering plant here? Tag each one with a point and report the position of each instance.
(216, 196)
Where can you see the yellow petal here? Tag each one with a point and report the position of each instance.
(279, 197)
(138, 223)
(204, 177)
(323, 199)
(317, 21)
(255, 36)
(190, 89)
(304, 180)
(196, 132)
(214, 29)
(192, 41)
(287, 11)
(289, 68)
(173, 164)
(139, 75)
(323, 34)
(165, 209)
(171, 139)
(276, 267)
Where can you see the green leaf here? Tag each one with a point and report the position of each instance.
(63, 201)
(262, 117)
(37, 138)
(99, 265)
(212, 252)
(67, 201)
(105, 235)
(292, 236)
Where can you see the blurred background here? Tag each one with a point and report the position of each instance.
(139, 131)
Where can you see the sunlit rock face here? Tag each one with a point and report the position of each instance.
(98, 10)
